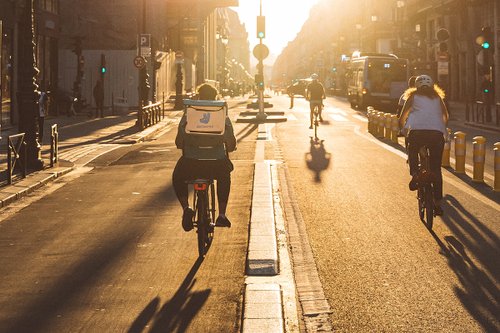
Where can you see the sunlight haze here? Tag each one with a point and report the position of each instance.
(284, 19)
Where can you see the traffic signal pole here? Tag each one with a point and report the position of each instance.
(261, 116)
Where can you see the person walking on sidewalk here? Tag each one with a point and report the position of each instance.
(200, 161)
(98, 93)
(43, 107)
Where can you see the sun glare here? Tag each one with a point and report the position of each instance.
(284, 19)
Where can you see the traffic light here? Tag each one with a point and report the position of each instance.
(443, 47)
(102, 68)
(487, 39)
(259, 81)
(261, 26)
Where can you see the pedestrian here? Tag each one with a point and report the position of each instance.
(98, 93)
(43, 106)
(402, 99)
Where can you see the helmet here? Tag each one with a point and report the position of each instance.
(314, 76)
(423, 80)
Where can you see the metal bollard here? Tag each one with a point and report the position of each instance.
(381, 120)
(479, 156)
(395, 128)
(445, 160)
(387, 125)
(460, 150)
(369, 112)
(496, 149)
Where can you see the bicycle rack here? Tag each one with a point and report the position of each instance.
(16, 155)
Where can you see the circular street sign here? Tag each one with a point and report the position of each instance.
(442, 34)
(260, 51)
(139, 62)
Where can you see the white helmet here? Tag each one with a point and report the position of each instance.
(314, 76)
(424, 80)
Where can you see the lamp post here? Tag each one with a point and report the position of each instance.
(143, 72)
(28, 93)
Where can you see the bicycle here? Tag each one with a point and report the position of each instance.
(425, 190)
(204, 207)
(316, 120)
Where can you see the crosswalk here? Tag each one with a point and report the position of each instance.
(332, 114)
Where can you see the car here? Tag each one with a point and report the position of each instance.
(298, 88)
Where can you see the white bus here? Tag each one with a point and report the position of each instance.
(376, 80)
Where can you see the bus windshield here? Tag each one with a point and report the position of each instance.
(383, 72)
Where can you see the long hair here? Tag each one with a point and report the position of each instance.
(433, 92)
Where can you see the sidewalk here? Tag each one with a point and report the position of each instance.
(81, 139)
(458, 115)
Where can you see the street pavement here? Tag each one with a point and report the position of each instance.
(351, 253)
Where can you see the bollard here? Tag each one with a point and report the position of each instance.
(496, 149)
(460, 152)
(387, 119)
(395, 128)
(380, 129)
(369, 117)
(479, 156)
(445, 160)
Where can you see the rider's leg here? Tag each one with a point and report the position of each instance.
(414, 144)
(179, 178)
(223, 176)
(436, 146)
(320, 107)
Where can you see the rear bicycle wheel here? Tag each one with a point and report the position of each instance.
(316, 122)
(202, 225)
(429, 206)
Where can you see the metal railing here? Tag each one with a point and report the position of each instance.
(54, 146)
(477, 112)
(151, 114)
(16, 156)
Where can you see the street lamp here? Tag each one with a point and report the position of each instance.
(27, 94)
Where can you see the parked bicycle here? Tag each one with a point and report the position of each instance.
(425, 191)
(204, 207)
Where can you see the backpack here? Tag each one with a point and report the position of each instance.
(205, 117)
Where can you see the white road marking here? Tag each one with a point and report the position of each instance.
(338, 117)
(451, 180)
(358, 117)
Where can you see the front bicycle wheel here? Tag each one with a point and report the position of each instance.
(429, 206)
(202, 225)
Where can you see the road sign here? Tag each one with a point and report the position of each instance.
(260, 51)
(179, 57)
(442, 68)
(139, 62)
(145, 45)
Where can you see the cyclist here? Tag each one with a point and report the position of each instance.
(315, 96)
(425, 116)
(411, 84)
(198, 161)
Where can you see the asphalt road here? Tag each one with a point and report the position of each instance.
(382, 270)
(102, 250)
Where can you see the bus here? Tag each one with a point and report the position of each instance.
(377, 80)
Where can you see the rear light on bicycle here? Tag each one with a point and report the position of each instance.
(200, 186)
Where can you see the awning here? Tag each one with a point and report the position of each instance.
(211, 3)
